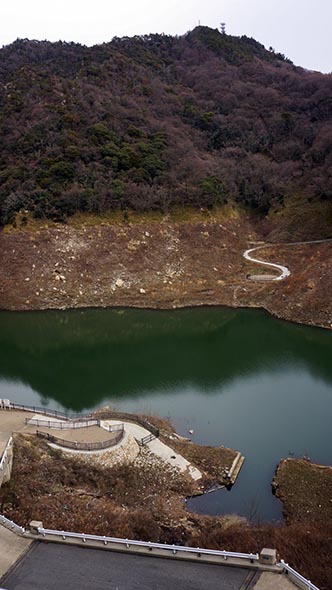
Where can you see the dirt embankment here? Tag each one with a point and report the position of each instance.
(161, 262)
(305, 490)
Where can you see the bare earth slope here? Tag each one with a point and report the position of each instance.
(159, 262)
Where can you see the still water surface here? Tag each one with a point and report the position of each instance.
(238, 378)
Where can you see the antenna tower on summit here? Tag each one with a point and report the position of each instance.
(223, 28)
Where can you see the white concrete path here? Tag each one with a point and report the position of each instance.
(156, 446)
(284, 271)
(159, 448)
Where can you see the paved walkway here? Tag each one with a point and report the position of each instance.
(90, 434)
(12, 547)
(14, 421)
(55, 566)
(270, 581)
(283, 270)
(160, 449)
(10, 421)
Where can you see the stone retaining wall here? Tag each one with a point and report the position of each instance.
(122, 455)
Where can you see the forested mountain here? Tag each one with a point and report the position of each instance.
(154, 121)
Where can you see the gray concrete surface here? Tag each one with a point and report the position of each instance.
(269, 581)
(10, 422)
(54, 567)
(160, 449)
(12, 547)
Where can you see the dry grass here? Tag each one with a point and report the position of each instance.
(305, 490)
(67, 493)
(212, 461)
(307, 547)
(145, 501)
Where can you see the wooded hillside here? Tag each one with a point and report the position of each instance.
(155, 121)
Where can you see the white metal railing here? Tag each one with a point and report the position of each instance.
(174, 549)
(63, 425)
(297, 577)
(5, 453)
(60, 425)
(8, 405)
(114, 427)
(80, 417)
(128, 543)
(16, 528)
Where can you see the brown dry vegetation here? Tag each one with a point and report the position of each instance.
(305, 490)
(67, 493)
(211, 460)
(306, 547)
(144, 501)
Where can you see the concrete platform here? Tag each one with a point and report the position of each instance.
(12, 548)
(52, 566)
(14, 421)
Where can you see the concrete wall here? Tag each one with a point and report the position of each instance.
(6, 464)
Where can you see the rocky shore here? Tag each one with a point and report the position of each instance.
(159, 262)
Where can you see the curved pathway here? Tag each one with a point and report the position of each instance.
(159, 448)
(14, 421)
(284, 271)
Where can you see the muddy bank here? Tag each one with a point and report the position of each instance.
(305, 490)
(159, 263)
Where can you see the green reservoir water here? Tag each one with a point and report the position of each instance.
(238, 378)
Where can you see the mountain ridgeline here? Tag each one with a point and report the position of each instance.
(155, 121)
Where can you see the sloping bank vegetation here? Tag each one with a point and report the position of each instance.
(144, 500)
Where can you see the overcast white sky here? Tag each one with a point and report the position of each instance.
(301, 29)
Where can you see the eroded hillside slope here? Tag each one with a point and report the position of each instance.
(159, 262)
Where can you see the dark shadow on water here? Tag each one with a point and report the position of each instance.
(80, 358)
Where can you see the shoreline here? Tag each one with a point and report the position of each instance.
(272, 313)
(170, 264)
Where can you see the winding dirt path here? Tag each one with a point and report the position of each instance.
(284, 271)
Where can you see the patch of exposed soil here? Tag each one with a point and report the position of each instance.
(148, 264)
(159, 263)
(305, 490)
